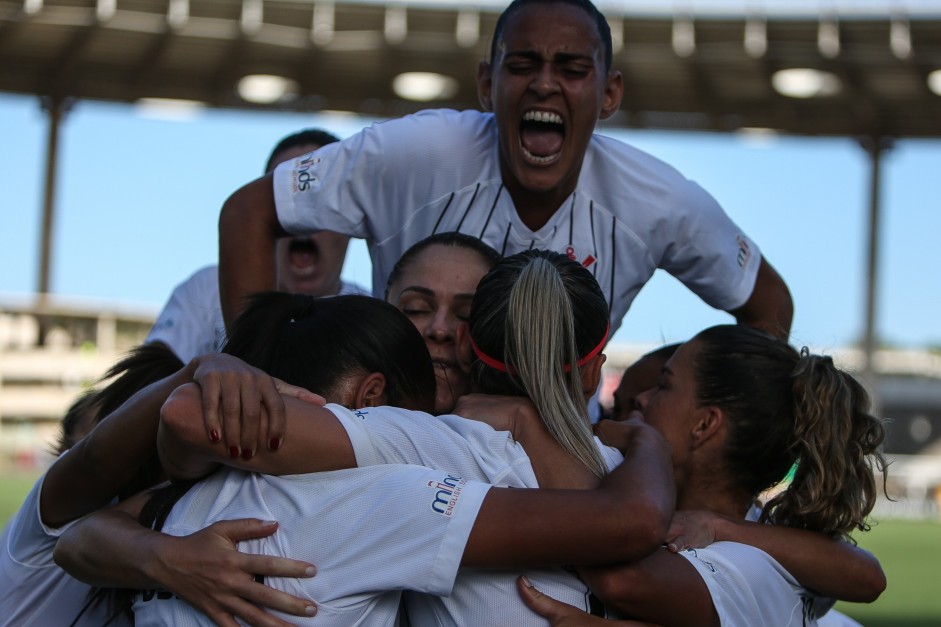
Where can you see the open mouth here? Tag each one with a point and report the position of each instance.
(542, 134)
(303, 253)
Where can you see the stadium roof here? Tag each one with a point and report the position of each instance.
(702, 70)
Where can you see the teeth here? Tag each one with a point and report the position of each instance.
(542, 116)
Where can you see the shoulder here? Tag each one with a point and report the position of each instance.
(347, 287)
(432, 126)
(201, 280)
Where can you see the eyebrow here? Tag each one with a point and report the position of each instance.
(559, 57)
(428, 292)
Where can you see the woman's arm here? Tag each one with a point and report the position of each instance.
(314, 440)
(92, 472)
(102, 463)
(825, 565)
(109, 548)
(626, 518)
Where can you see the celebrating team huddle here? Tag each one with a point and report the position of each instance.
(433, 455)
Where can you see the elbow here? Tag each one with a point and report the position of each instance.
(644, 529)
(621, 588)
(180, 416)
(873, 584)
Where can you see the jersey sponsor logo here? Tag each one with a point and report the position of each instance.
(301, 175)
(447, 492)
(744, 251)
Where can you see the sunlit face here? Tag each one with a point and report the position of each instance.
(671, 407)
(435, 291)
(547, 87)
(310, 264)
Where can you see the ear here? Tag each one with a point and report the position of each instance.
(591, 375)
(710, 423)
(484, 85)
(371, 391)
(613, 92)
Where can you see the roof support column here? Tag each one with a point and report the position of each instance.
(56, 108)
(875, 147)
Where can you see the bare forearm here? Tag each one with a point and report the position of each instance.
(624, 519)
(248, 231)
(316, 441)
(830, 567)
(92, 473)
(112, 550)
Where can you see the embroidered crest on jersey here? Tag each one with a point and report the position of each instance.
(744, 251)
(447, 493)
(571, 254)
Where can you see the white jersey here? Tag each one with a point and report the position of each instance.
(750, 588)
(34, 591)
(400, 181)
(191, 323)
(472, 450)
(372, 532)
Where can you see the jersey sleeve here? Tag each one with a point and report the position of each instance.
(190, 323)
(749, 587)
(708, 252)
(367, 185)
(388, 435)
(29, 541)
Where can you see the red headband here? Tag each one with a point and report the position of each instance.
(502, 367)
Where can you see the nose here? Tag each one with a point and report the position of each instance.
(641, 400)
(439, 328)
(544, 82)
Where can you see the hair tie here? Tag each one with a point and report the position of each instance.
(496, 364)
(805, 352)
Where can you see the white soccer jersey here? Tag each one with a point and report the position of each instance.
(372, 532)
(475, 451)
(191, 322)
(750, 588)
(400, 181)
(34, 591)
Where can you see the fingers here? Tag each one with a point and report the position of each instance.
(273, 433)
(254, 615)
(258, 595)
(303, 394)
(244, 529)
(547, 607)
(211, 389)
(531, 596)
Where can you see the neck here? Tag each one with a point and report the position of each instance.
(713, 493)
(535, 208)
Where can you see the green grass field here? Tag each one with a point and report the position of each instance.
(910, 553)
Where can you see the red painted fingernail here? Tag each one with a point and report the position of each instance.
(247, 454)
(213, 436)
(274, 444)
(233, 451)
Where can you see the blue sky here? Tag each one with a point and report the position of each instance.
(139, 197)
